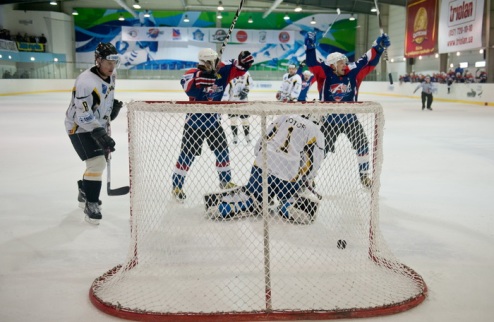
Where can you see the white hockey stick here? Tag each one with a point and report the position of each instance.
(225, 41)
(331, 25)
(381, 29)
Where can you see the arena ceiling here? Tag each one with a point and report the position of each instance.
(267, 6)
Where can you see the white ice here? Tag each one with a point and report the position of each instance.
(435, 203)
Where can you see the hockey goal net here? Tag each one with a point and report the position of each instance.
(184, 265)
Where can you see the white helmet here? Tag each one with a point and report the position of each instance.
(307, 73)
(208, 58)
(335, 57)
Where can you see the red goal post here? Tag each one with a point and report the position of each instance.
(185, 266)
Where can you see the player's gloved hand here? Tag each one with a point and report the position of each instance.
(310, 40)
(278, 96)
(117, 105)
(382, 41)
(302, 64)
(103, 139)
(245, 60)
(205, 79)
(243, 94)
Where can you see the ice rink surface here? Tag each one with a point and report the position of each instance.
(436, 208)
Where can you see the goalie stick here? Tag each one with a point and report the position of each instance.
(225, 41)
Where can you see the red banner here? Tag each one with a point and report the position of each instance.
(421, 28)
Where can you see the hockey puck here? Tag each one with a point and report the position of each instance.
(341, 244)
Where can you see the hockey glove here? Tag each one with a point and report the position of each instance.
(245, 60)
(302, 64)
(117, 105)
(103, 139)
(310, 40)
(243, 94)
(278, 96)
(205, 79)
(382, 41)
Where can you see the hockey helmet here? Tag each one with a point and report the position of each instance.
(208, 58)
(307, 73)
(106, 51)
(335, 57)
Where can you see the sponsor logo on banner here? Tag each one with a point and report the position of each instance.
(132, 33)
(198, 35)
(219, 35)
(262, 37)
(242, 36)
(153, 33)
(284, 37)
(176, 35)
(420, 26)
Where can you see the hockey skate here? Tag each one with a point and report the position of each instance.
(82, 196)
(231, 204)
(179, 194)
(365, 180)
(93, 215)
(227, 185)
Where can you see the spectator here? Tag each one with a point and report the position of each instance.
(427, 89)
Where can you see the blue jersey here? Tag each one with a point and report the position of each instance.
(226, 72)
(342, 88)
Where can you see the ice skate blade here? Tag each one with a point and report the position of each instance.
(91, 220)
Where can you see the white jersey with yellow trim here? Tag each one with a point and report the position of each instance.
(291, 86)
(91, 103)
(295, 148)
(236, 86)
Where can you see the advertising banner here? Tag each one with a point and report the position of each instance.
(421, 28)
(460, 25)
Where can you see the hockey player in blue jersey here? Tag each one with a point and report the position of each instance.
(207, 82)
(339, 81)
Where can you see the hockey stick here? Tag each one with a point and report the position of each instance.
(331, 25)
(225, 41)
(381, 30)
(113, 192)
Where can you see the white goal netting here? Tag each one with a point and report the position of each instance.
(186, 263)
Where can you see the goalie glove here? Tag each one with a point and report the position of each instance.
(243, 94)
(245, 60)
(205, 79)
(103, 139)
(117, 105)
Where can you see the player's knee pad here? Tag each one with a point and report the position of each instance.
(94, 168)
(301, 211)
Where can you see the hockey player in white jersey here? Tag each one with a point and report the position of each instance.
(238, 90)
(295, 151)
(87, 120)
(290, 86)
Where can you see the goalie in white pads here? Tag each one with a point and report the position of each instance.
(295, 151)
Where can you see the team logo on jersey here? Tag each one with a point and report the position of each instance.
(339, 91)
(104, 88)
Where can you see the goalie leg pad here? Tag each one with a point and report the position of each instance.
(228, 204)
(302, 211)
